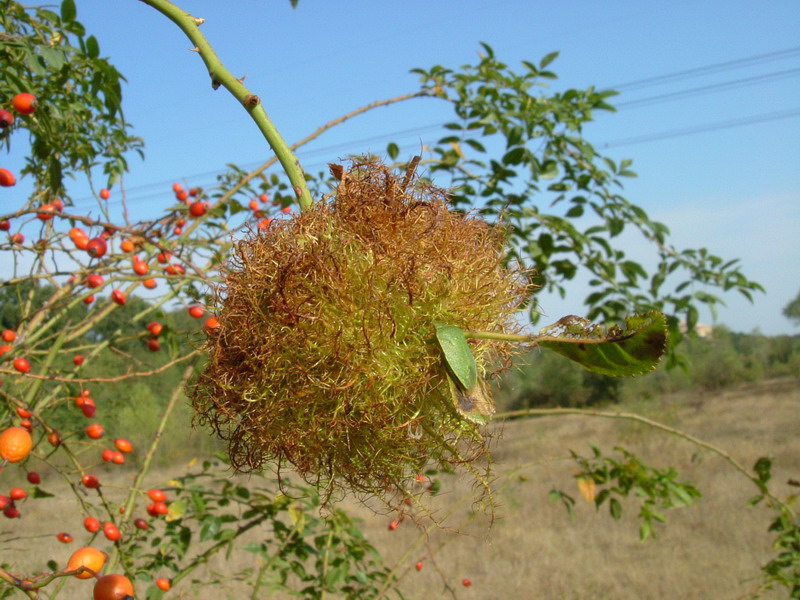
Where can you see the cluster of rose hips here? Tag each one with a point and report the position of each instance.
(23, 104)
(197, 207)
(15, 446)
(16, 442)
(21, 364)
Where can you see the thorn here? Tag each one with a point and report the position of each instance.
(199, 21)
(242, 78)
(195, 49)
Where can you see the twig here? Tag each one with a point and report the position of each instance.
(160, 369)
(221, 76)
(651, 423)
(148, 458)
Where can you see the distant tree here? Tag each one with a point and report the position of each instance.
(792, 310)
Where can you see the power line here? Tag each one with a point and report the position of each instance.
(694, 72)
(716, 126)
(776, 116)
(707, 69)
(712, 88)
(200, 178)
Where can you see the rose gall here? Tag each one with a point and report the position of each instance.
(385, 241)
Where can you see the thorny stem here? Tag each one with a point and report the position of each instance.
(319, 131)
(113, 379)
(401, 564)
(310, 137)
(221, 76)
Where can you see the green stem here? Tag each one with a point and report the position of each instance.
(130, 501)
(267, 564)
(259, 579)
(312, 136)
(48, 362)
(323, 577)
(202, 558)
(221, 76)
(503, 337)
(530, 338)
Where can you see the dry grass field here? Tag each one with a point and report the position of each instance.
(711, 550)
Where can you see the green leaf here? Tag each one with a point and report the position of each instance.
(469, 392)
(53, 57)
(92, 47)
(392, 150)
(615, 508)
(68, 11)
(210, 528)
(34, 63)
(575, 212)
(176, 511)
(619, 351)
(40, 493)
(763, 469)
(457, 355)
(548, 58)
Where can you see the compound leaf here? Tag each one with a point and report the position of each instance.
(632, 349)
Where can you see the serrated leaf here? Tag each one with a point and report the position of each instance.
(176, 511)
(255, 548)
(633, 349)
(458, 356)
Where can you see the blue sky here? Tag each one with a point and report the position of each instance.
(733, 190)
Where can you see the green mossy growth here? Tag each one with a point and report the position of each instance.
(326, 358)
